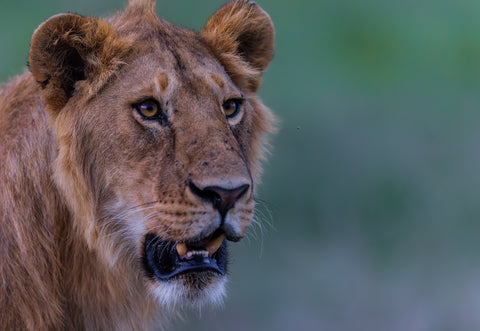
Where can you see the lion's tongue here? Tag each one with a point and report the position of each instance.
(211, 247)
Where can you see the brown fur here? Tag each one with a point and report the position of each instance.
(84, 177)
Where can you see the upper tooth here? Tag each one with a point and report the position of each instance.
(181, 249)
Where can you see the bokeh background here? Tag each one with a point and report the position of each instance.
(370, 201)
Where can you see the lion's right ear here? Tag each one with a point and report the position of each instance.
(68, 48)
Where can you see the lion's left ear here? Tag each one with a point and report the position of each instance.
(242, 36)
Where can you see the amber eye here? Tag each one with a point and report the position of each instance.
(149, 109)
(232, 107)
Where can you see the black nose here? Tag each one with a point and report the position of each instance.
(222, 199)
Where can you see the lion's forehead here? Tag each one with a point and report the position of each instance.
(174, 56)
(157, 74)
(200, 80)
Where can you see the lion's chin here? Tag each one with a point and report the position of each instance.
(191, 290)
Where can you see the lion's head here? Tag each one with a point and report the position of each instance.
(160, 135)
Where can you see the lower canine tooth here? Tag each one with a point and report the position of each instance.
(213, 245)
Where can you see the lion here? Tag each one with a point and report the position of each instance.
(130, 153)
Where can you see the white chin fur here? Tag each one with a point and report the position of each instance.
(173, 294)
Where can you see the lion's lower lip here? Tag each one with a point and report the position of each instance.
(161, 259)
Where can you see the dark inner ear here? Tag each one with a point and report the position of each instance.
(75, 70)
(250, 45)
(247, 42)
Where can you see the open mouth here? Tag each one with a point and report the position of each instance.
(166, 259)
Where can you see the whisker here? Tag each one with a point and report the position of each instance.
(264, 210)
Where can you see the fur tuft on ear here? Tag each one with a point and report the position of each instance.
(242, 35)
(68, 48)
(149, 4)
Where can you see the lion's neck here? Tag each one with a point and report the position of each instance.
(97, 294)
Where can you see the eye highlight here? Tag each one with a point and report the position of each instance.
(148, 109)
(232, 107)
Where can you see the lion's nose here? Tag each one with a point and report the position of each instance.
(223, 199)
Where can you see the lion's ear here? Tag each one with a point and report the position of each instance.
(68, 48)
(242, 36)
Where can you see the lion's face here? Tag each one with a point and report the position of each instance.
(173, 164)
(159, 150)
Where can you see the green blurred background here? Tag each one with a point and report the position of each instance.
(371, 213)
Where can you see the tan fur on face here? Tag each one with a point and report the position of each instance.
(162, 81)
(85, 177)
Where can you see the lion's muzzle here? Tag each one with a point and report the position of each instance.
(165, 259)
